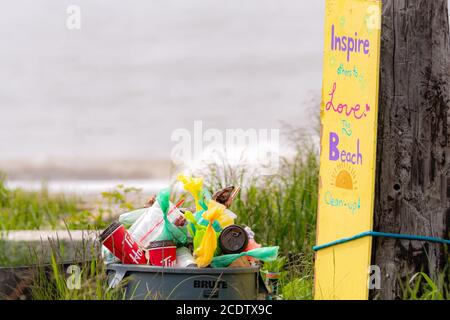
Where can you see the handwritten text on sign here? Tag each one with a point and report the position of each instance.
(348, 146)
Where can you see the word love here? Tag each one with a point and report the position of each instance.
(336, 154)
(349, 44)
(355, 112)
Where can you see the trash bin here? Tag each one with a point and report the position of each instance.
(150, 282)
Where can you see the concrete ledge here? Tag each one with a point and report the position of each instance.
(45, 235)
(30, 247)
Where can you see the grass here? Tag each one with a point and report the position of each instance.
(27, 210)
(22, 210)
(14, 254)
(281, 210)
(421, 287)
(295, 277)
(84, 280)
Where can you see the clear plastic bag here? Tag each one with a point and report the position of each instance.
(129, 218)
(150, 224)
(108, 257)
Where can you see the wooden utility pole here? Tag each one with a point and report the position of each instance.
(413, 153)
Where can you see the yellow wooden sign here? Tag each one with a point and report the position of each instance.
(348, 146)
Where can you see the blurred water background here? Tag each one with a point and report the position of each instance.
(101, 102)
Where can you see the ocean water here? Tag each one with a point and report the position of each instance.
(135, 72)
(116, 89)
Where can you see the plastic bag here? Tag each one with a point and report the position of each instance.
(252, 244)
(225, 218)
(127, 219)
(150, 224)
(205, 252)
(185, 258)
(265, 254)
(197, 231)
(108, 256)
(205, 196)
(193, 225)
(169, 231)
(195, 187)
(203, 222)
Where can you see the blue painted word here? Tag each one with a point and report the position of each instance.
(352, 206)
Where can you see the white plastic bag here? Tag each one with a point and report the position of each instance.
(128, 218)
(108, 257)
(150, 224)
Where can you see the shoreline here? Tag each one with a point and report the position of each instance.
(85, 169)
(87, 187)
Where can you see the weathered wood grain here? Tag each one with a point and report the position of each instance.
(413, 153)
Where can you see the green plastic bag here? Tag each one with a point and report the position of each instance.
(170, 231)
(264, 254)
(196, 230)
(193, 225)
(205, 197)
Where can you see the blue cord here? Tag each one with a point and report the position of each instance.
(381, 234)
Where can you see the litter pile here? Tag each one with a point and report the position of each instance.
(165, 234)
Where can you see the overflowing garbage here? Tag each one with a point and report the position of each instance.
(166, 234)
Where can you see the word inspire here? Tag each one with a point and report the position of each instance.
(354, 112)
(258, 149)
(342, 155)
(349, 44)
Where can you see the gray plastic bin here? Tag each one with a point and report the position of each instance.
(149, 282)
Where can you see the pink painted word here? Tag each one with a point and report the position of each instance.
(355, 111)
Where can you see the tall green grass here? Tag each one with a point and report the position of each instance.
(281, 208)
(55, 281)
(34, 210)
(423, 287)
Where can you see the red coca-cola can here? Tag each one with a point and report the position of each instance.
(162, 253)
(117, 240)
